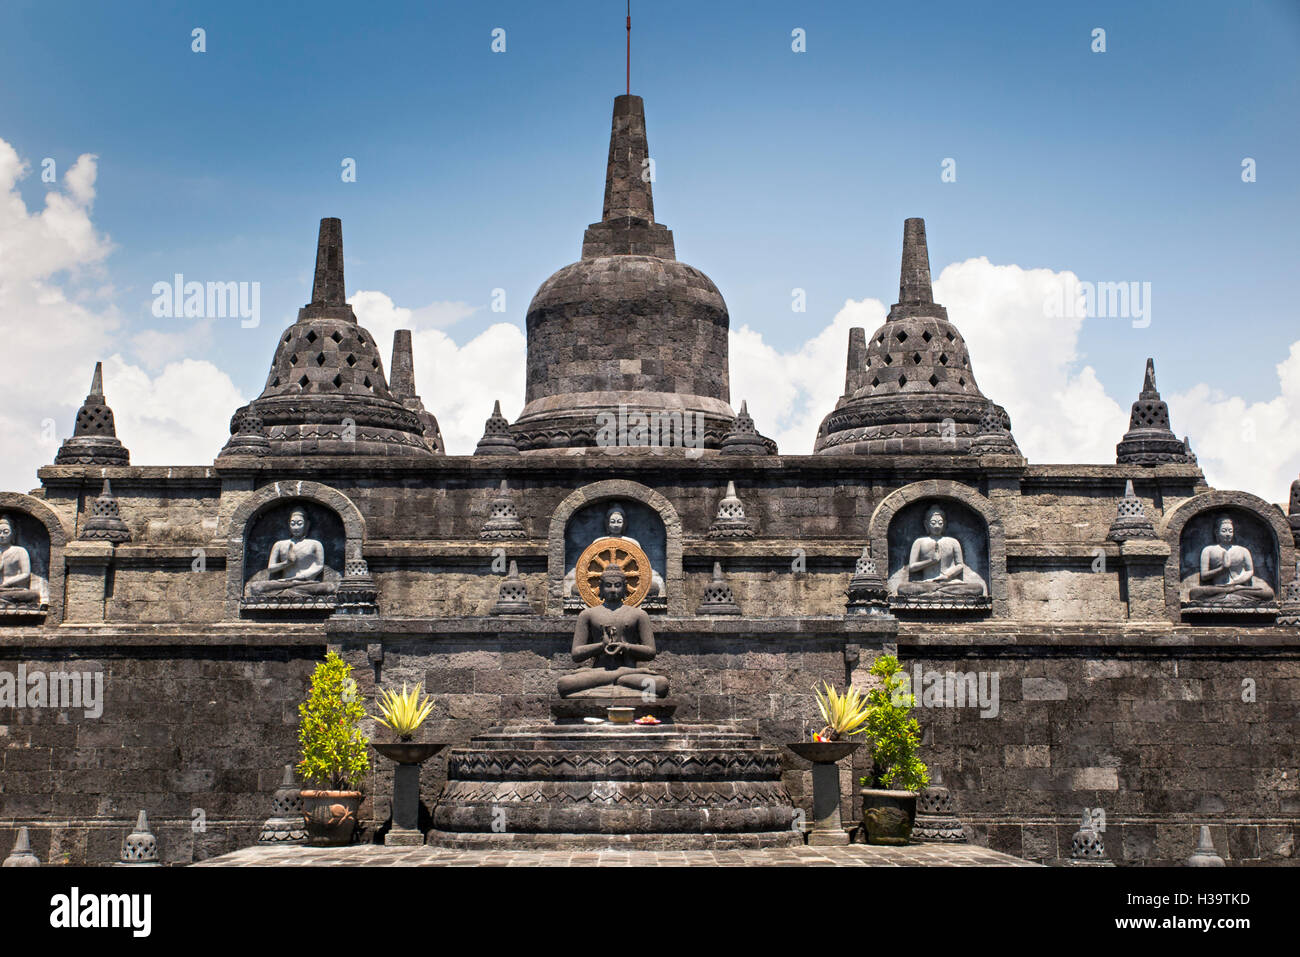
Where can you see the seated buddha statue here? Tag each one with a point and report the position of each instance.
(1227, 572)
(15, 568)
(616, 641)
(936, 567)
(296, 567)
(615, 523)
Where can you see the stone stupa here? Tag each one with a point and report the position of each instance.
(628, 329)
(326, 393)
(910, 388)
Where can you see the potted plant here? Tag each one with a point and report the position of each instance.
(889, 792)
(334, 759)
(845, 715)
(403, 714)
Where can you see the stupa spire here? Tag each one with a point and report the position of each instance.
(627, 226)
(857, 360)
(915, 293)
(1149, 390)
(328, 288)
(97, 382)
(914, 276)
(628, 192)
(402, 383)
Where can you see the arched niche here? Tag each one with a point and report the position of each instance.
(652, 520)
(1258, 526)
(900, 519)
(262, 519)
(42, 534)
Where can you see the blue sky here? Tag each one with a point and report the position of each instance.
(775, 170)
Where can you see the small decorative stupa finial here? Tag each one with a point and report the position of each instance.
(1149, 439)
(503, 518)
(1205, 855)
(94, 438)
(497, 438)
(731, 521)
(994, 435)
(1087, 846)
(21, 855)
(718, 598)
(105, 521)
(936, 814)
(140, 847)
(868, 593)
(744, 438)
(512, 597)
(286, 824)
(1131, 519)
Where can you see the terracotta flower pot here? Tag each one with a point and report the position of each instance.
(331, 816)
(888, 816)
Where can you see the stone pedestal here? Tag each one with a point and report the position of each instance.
(407, 756)
(1142, 565)
(87, 580)
(405, 831)
(828, 827)
(668, 786)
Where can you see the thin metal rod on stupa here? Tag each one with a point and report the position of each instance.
(629, 47)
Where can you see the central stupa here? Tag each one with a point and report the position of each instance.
(627, 329)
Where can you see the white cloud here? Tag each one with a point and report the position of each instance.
(1254, 446)
(1028, 362)
(58, 320)
(155, 349)
(179, 417)
(790, 393)
(458, 383)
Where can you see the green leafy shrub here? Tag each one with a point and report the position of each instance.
(895, 734)
(333, 746)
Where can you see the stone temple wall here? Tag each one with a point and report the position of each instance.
(1107, 698)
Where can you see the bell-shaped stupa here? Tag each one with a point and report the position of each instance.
(627, 331)
(910, 387)
(326, 393)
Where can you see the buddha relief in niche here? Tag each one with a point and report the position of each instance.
(936, 561)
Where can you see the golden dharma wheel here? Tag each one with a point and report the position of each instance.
(604, 552)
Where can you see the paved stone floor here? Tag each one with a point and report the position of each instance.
(854, 855)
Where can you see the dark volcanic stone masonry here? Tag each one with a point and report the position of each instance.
(1086, 654)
